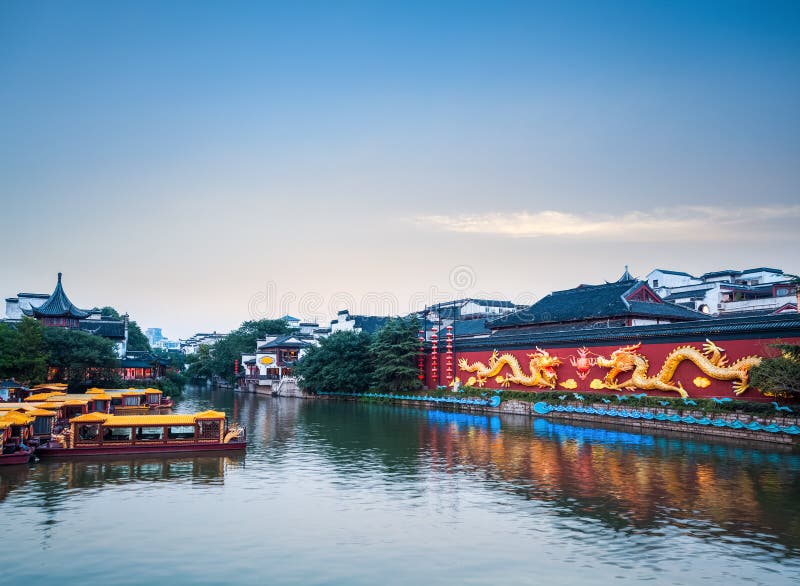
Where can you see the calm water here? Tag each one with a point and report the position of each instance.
(338, 493)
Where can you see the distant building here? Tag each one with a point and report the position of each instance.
(154, 336)
(292, 322)
(469, 308)
(308, 328)
(369, 324)
(191, 345)
(761, 290)
(274, 359)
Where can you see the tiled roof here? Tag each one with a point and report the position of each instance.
(679, 273)
(105, 328)
(57, 305)
(763, 270)
(11, 384)
(369, 324)
(593, 302)
(285, 341)
(773, 326)
(720, 274)
(470, 327)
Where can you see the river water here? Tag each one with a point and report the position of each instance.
(345, 493)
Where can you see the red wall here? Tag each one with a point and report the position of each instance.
(655, 353)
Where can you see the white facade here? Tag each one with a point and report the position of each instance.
(15, 305)
(726, 292)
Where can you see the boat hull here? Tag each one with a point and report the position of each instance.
(45, 452)
(15, 458)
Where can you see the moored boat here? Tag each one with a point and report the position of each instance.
(16, 428)
(98, 434)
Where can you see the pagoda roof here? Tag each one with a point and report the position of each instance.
(57, 305)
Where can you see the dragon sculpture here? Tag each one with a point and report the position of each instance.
(712, 361)
(542, 370)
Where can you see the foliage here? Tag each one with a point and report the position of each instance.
(137, 341)
(176, 359)
(341, 363)
(79, 356)
(22, 352)
(779, 376)
(172, 383)
(394, 351)
(219, 359)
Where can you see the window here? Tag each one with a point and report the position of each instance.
(181, 432)
(117, 434)
(149, 433)
(655, 282)
(209, 429)
(88, 433)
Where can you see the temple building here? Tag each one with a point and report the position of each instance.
(618, 337)
(56, 310)
(626, 302)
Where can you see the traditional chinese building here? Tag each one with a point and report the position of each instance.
(615, 338)
(56, 310)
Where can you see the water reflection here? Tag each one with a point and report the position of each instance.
(425, 495)
(630, 482)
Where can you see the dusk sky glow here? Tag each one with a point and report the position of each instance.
(199, 164)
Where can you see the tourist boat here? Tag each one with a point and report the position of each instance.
(98, 434)
(16, 428)
(133, 401)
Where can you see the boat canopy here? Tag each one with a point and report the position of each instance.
(146, 420)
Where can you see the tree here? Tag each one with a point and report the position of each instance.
(779, 376)
(137, 341)
(394, 351)
(341, 363)
(22, 352)
(220, 358)
(77, 356)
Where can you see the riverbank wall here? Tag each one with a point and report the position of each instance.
(778, 429)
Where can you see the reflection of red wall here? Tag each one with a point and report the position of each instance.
(655, 353)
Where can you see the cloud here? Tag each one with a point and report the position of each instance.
(660, 224)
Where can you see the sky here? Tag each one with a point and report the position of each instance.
(197, 164)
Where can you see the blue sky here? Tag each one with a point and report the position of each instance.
(181, 160)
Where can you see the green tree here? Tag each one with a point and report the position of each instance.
(341, 363)
(79, 357)
(220, 358)
(22, 352)
(394, 351)
(779, 376)
(137, 341)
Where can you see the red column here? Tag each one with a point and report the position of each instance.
(421, 358)
(449, 354)
(435, 357)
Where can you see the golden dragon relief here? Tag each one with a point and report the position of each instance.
(542, 368)
(711, 360)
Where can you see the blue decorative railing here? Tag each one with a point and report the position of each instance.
(490, 402)
(542, 408)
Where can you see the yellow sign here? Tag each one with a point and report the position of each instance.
(267, 360)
